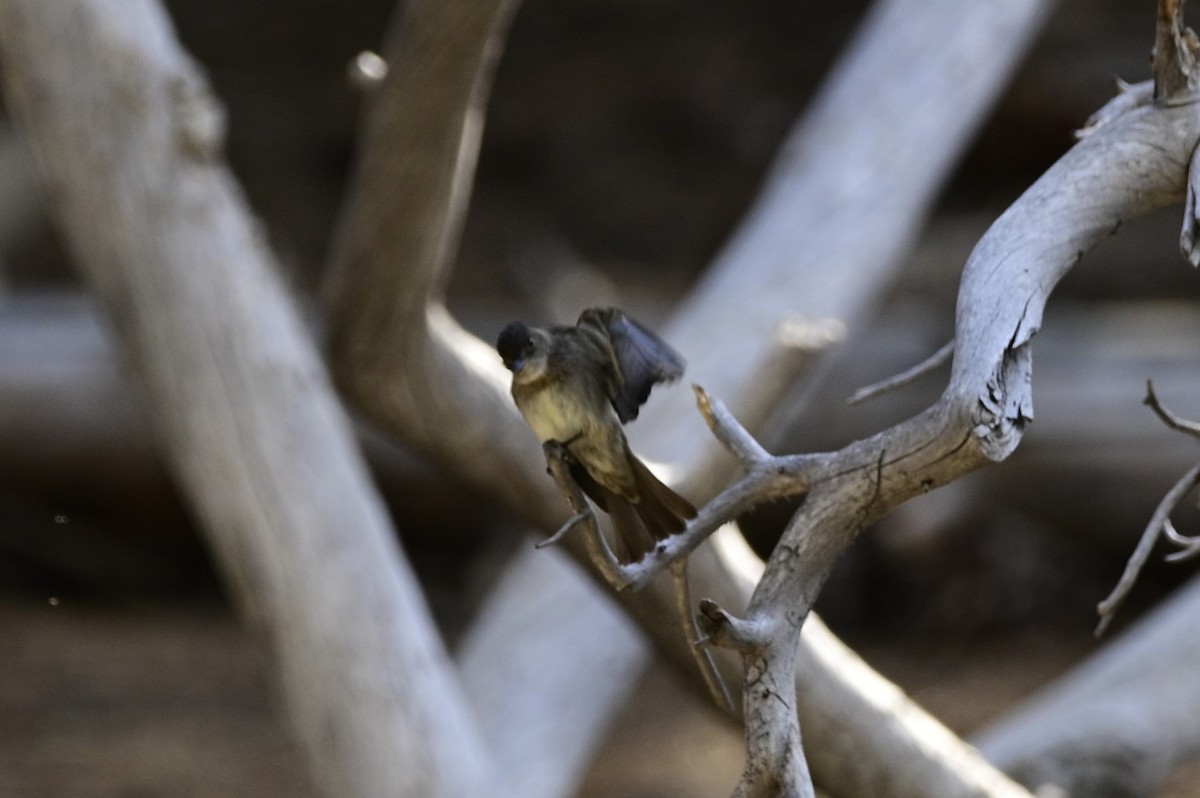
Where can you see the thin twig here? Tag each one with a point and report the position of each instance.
(1160, 522)
(768, 477)
(1189, 545)
(1169, 418)
(732, 435)
(704, 661)
(1109, 606)
(905, 377)
(567, 526)
(601, 555)
(557, 462)
(1175, 537)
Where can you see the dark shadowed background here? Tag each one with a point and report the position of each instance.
(623, 143)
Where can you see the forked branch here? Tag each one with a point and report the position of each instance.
(398, 346)
(1133, 162)
(1160, 521)
(767, 477)
(558, 460)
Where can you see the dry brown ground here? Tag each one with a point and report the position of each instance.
(178, 703)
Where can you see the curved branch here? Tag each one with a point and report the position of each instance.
(836, 216)
(1160, 521)
(1169, 418)
(393, 346)
(406, 363)
(1131, 165)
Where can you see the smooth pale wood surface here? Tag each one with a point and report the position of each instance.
(128, 137)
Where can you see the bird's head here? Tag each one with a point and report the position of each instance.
(523, 350)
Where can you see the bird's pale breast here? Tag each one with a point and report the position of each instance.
(551, 414)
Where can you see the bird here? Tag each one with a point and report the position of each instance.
(578, 385)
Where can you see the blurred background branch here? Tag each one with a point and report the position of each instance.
(623, 144)
(128, 140)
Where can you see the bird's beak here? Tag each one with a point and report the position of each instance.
(514, 365)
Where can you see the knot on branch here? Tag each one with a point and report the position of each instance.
(727, 631)
(200, 119)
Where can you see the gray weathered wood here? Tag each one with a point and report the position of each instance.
(1119, 724)
(416, 372)
(553, 724)
(127, 137)
(1132, 164)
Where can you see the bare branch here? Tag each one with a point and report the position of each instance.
(1107, 608)
(767, 478)
(1189, 544)
(128, 135)
(602, 557)
(1169, 418)
(726, 429)
(1160, 521)
(1119, 723)
(395, 350)
(704, 661)
(728, 631)
(1131, 165)
(607, 565)
(803, 261)
(586, 514)
(52, 352)
(905, 377)
(775, 763)
(1175, 48)
(399, 354)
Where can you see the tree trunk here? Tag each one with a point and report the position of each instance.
(128, 138)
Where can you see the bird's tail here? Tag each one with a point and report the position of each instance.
(657, 513)
(663, 511)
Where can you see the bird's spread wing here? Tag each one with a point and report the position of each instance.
(640, 359)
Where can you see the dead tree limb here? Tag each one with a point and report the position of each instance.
(1160, 521)
(414, 371)
(1120, 723)
(72, 413)
(1130, 165)
(128, 136)
(836, 217)
(404, 361)
(607, 659)
(1160, 524)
